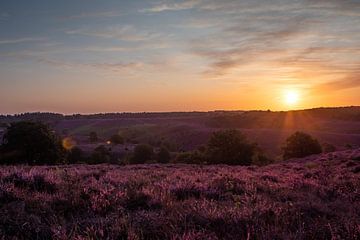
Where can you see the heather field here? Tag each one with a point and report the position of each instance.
(317, 197)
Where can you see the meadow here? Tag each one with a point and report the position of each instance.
(317, 197)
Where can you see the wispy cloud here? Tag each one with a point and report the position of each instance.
(298, 41)
(342, 7)
(104, 14)
(173, 6)
(349, 82)
(20, 40)
(248, 44)
(115, 67)
(124, 33)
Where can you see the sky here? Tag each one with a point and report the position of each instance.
(87, 56)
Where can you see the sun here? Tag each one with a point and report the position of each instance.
(291, 97)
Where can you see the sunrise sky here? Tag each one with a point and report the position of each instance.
(89, 56)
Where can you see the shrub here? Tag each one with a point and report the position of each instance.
(36, 183)
(327, 148)
(348, 146)
(75, 155)
(261, 159)
(93, 137)
(300, 145)
(194, 157)
(40, 184)
(101, 154)
(230, 147)
(163, 155)
(142, 153)
(116, 139)
(33, 143)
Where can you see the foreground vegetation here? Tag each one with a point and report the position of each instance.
(313, 198)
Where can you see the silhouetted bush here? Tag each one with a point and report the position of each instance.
(116, 139)
(348, 146)
(142, 153)
(300, 145)
(40, 184)
(33, 143)
(37, 183)
(260, 159)
(101, 154)
(230, 147)
(194, 157)
(327, 148)
(93, 137)
(75, 155)
(163, 156)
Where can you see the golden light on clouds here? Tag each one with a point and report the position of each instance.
(288, 55)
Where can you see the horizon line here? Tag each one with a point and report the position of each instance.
(166, 112)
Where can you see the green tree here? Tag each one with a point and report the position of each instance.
(300, 145)
(230, 147)
(101, 154)
(163, 156)
(116, 139)
(193, 157)
(75, 155)
(33, 143)
(142, 153)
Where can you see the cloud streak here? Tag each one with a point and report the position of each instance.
(21, 40)
(173, 6)
(105, 14)
(115, 67)
(124, 33)
(298, 41)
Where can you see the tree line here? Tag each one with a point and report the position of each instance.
(35, 143)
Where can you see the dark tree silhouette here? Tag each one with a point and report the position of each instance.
(142, 153)
(75, 155)
(116, 139)
(229, 147)
(163, 155)
(33, 143)
(101, 154)
(300, 145)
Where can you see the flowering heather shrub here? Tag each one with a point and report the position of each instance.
(35, 183)
(287, 200)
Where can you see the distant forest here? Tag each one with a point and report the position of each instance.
(351, 113)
